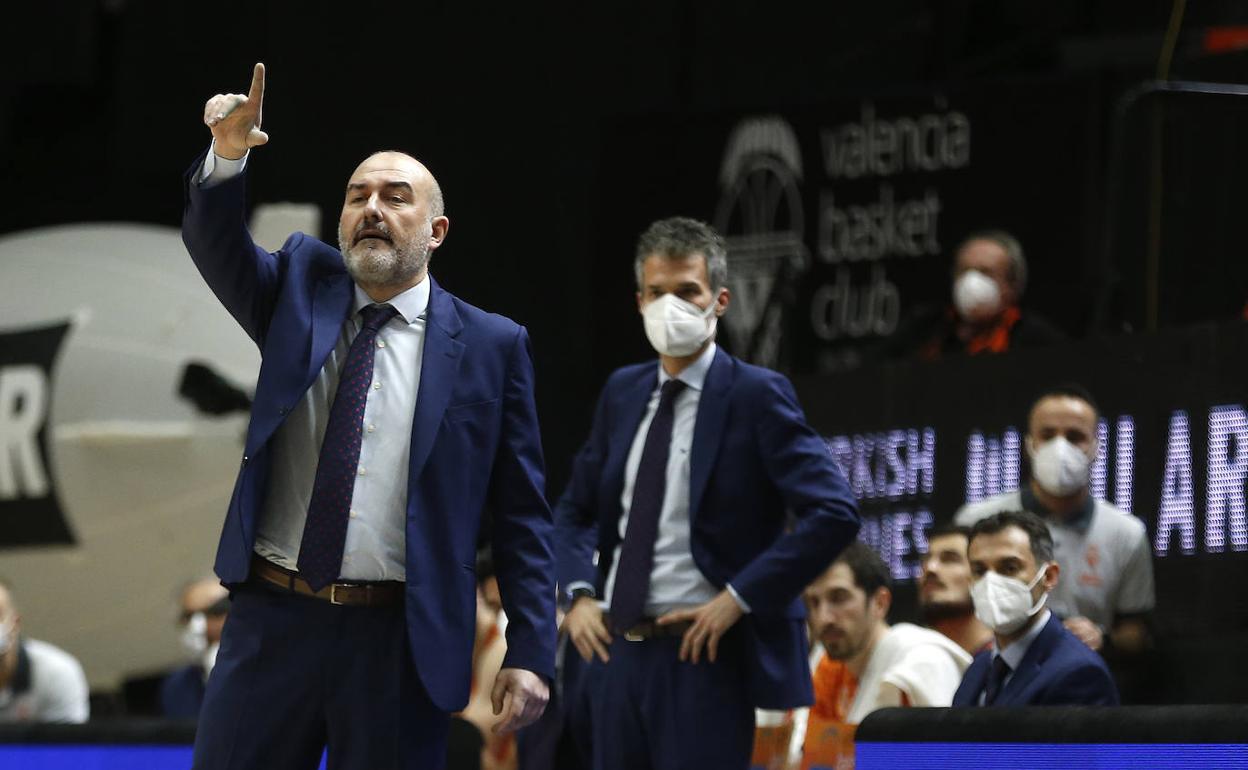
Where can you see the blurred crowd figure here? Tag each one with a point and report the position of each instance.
(38, 681)
(1034, 660)
(866, 664)
(204, 605)
(984, 313)
(945, 589)
(1108, 596)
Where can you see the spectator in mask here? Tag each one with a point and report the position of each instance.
(1104, 551)
(205, 605)
(38, 682)
(1034, 660)
(985, 316)
(945, 589)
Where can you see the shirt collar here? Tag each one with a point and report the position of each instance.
(1014, 653)
(411, 303)
(694, 375)
(1078, 520)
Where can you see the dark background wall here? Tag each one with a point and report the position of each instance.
(558, 132)
(521, 113)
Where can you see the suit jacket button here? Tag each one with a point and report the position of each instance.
(245, 458)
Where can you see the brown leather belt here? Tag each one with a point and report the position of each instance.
(378, 594)
(649, 629)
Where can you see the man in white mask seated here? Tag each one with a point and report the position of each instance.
(1034, 660)
(38, 681)
(204, 606)
(985, 314)
(1104, 551)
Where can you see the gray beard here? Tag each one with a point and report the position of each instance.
(379, 267)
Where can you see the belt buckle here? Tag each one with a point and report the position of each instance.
(333, 594)
(632, 635)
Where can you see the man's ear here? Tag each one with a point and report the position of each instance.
(640, 305)
(1051, 574)
(721, 300)
(881, 602)
(438, 228)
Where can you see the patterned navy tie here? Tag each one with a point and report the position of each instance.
(632, 576)
(325, 532)
(996, 679)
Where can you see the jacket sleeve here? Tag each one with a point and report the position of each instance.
(576, 513)
(523, 527)
(243, 276)
(799, 463)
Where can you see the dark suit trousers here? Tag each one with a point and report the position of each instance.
(652, 712)
(296, 674)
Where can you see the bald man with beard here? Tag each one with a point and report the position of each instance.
(388, 416)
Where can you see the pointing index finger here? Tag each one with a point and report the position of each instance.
(256, 92)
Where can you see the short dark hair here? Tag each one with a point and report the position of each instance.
(870, 572)
(681, 237)
(949, 528)
(1065, 390)
(1037, 531)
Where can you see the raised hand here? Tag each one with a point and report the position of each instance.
(235, 119)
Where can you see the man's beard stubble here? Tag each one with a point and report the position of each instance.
(378, 267)
(935, 612)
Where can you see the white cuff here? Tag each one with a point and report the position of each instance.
(580, 584)
(737, 598)
(217, 169)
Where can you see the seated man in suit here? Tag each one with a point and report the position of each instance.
(711, 503)
(205, 605)
(1034, 660)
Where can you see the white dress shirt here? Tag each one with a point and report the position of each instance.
(376, 539)
(675, 581)
(375, 547)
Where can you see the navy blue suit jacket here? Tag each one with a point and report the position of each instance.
(1057, 670)
(753, 460)
(475, 442)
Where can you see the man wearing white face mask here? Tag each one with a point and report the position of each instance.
(985, 316)
(1034, 660)
(205, 605)
(1104, 551)
(711, 504)
(38, 682)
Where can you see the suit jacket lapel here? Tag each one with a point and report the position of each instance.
(708, 429)
(438, 369)
(633, 401)
(330, 305)
(1029, 666)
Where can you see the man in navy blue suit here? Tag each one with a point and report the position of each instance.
(711, 505)
(1034, 660)
(389, 417)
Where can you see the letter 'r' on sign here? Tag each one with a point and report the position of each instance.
(23, 409)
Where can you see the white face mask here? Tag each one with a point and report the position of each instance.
(1059, 467)
(1004, 604)
(195, 635)
(677, 327)
(976, 294)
